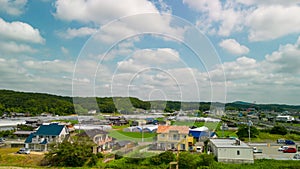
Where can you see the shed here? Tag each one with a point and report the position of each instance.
(231, 151)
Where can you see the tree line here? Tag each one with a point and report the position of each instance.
(37, 103)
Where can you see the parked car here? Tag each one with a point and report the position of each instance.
(281, 141)
(255, 150)
(289, 142)
(290, 150)
(2, 140)
(24, 151)
(296, 157)
(282, 148)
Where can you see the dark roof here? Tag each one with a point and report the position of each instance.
(92, 133)
(53, 129)
(123, 143)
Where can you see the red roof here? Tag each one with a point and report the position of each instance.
(180, 129)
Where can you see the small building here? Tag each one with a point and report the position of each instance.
(231, 151)
(45, 135)
(285, 118)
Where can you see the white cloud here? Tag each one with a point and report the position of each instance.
(233, 47)
(265, 20)
(12, 47)
(286, 59)
(80, 32)
(13, 7)
(100, 11)
(145, 58)
(20, 31)
(64, 50)
(103, 14)
(218, 17)
(37, 76)
(271, 22)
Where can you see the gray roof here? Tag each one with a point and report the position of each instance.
(228, 143)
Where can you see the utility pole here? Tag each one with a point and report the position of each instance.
(249, 125)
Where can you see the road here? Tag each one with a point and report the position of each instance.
(270, 151)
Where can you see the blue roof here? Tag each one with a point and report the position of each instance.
(44, 141)
(52, 129)
(198, 134)
(29, 138)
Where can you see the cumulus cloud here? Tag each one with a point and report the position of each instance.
(271, 22)
(100, 11)
(103, 14)
(213, 12)
(77, 32)
(233, 47)
(20, 31)
(13, 47)
(262, 20)
(145, 58)
(53, 76)
(286, 59)
(13, 7)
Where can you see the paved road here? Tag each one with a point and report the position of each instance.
(271, 152)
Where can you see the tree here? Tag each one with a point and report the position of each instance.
(74, 154)
(188, 160)
(244, 133)
(279, 129)
(165, 157)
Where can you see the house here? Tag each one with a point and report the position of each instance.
(100, 138)
(231, 151)
(173, 137)
(45, 135)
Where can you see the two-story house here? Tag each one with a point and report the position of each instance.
(46, 134)
(102, 141)
(173, 137)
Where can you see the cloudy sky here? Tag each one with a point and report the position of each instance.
(189, 50)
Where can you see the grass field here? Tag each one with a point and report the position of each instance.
(9, 157)
(132, 136)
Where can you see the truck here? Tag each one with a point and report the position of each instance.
(256, 150)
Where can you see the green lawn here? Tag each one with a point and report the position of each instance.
(133, 136)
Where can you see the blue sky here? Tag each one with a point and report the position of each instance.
(189, 50)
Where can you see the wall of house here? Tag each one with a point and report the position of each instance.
(235, 155)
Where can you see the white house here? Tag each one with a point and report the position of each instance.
(46, 134)
(285, 118)
(231, 151)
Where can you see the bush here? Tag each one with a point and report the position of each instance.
(279, 129)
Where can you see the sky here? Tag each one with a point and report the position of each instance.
(184, 50)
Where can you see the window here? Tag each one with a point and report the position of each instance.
(238, 152)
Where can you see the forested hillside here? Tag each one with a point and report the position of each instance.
(37, 103)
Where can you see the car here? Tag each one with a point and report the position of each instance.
(24, 151)
(296, 157)
(2, 140)
(281, 141)
(282, 148)
(289, 142)
(255, 150)
(290, 150)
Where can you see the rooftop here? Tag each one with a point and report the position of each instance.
(228, 143)
(180, 129)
